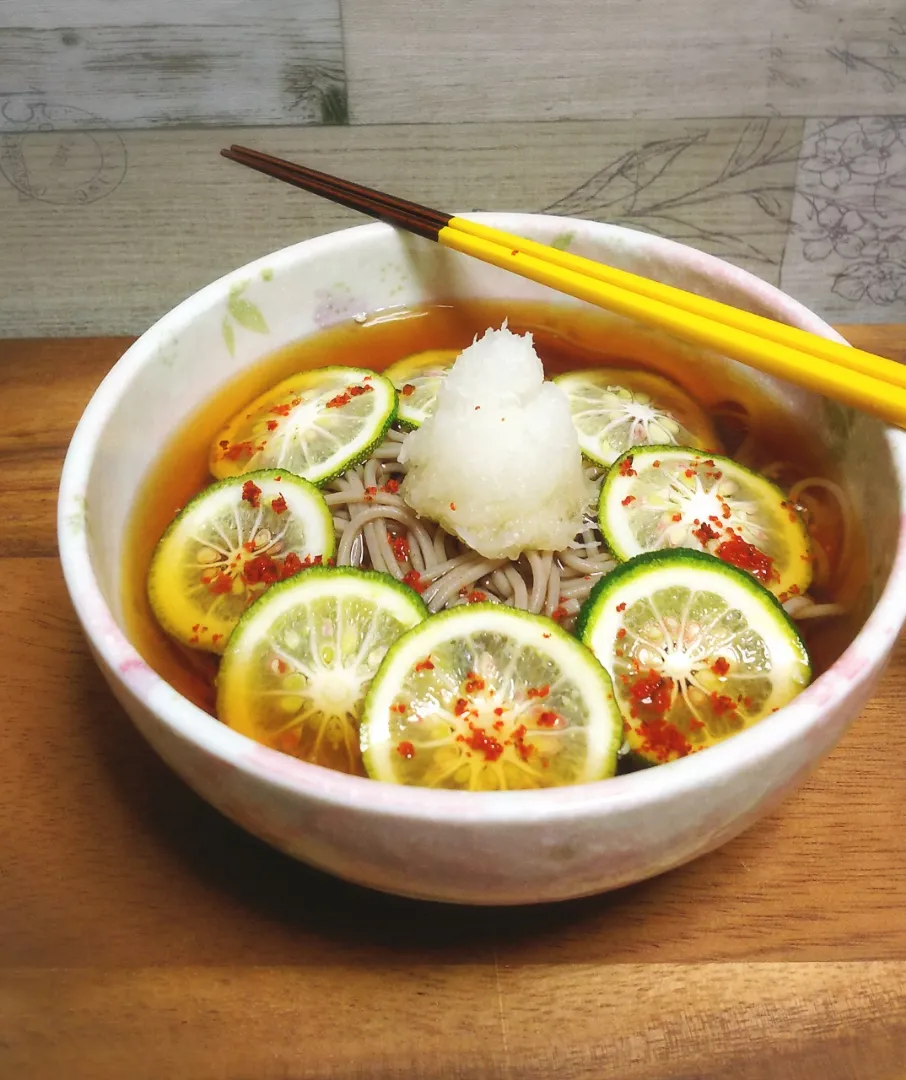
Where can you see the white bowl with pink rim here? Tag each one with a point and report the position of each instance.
(463, 847)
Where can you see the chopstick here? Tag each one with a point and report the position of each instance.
(860, 379)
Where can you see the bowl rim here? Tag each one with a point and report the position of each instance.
(723, 763)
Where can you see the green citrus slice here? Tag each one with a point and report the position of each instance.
(315, 424)
(297, 667)
(486, 698)
(697, 650)
(666, 497)
(228, 545)
(615, 409)
(417, 380)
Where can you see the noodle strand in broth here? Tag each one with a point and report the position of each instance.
(378, 531)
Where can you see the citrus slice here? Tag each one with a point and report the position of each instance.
(297, 667)
(615, 409)
(667, 497)
(697, 650)
(486, 698)
(315, 424)
(228, 545)
(417, 379)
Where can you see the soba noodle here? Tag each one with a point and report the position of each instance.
(371, 520)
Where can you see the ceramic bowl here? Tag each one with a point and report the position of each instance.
(489, 848)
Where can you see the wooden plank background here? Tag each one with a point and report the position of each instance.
(142, 935)
(136, 64)
(772, 135)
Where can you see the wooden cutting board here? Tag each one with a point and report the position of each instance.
(142, 936)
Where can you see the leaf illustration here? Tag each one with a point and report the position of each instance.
(618, 186)
(229, 335)
(747, 148)
(715, 241)
(247, 314)
(771, 204)
(562, 240)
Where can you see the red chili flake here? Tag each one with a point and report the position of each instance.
(370, 493)
(721, 666)
(399, 707)
(282, 666)
(721, 704)
(746, 556)
(262, 570)
(220, 584)
(425, 665)
(234, 451)
(406, 750)
(704, 533)
(558, 614)
(677, 517)
(477, 407)
(497, 725)
(476, 596)
(626, 468)
(407, 389)
(272, 425)
(545, 635)
(215, 638)
(278, 505)
(414, 580)
(621, 633)
(252, 494)
(339, 401)
(695, 724)
(281, 410)
(391, 487)
(473, 683)
(725, 510)
(296, 401)
(538, 691)
(547, 719)
(498, 711)
(621, 607)
(481, 741)
(400, 546)
(523, 749)
(655, 464)
(357, 391)
(292, 564)
(452, 506)
(709, 463)
(652, 690)
(794, 590)
(689, 473)
(196, 628)
(460, 707)
(629, 499)
(663, 739)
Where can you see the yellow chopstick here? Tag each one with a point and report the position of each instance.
(862, 389)
(857, 378)
(857, 360)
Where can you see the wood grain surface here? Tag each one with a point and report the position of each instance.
(99, 63)
(144, 936)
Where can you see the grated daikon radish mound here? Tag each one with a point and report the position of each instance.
(498, 463)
